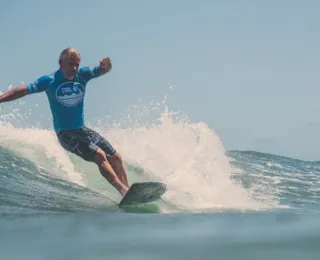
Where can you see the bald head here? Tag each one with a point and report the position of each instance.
(69, 61)
(70, 53)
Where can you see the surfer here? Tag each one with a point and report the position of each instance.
(65, 89)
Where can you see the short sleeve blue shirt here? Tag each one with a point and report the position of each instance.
(66, 97)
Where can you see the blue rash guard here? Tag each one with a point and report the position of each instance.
(65, 96)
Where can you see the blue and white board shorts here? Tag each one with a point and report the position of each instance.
(84, 142)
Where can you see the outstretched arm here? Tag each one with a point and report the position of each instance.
(88, 73)
(14, 94)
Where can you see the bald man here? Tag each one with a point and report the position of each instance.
(65, 89)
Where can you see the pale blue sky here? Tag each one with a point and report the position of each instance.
(249, 69)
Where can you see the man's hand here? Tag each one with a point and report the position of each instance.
(105, 65)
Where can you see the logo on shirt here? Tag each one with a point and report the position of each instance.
(70, 93)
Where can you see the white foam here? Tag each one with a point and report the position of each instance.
(188, 157)
(42, 148)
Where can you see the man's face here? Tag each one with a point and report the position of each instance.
(69, 66)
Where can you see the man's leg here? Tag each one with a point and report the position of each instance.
(116, 163)
(113, 157)
(107, 172)
(80, 142)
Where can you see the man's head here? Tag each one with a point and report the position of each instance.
(69, 61)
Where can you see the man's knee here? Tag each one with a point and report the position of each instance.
(116, 157)
(100, 156)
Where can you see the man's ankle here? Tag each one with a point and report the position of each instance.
(123, 191)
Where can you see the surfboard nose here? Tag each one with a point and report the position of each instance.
(143, 192)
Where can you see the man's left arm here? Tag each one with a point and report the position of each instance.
(88, 73)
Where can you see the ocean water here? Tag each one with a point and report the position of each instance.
(219, 204)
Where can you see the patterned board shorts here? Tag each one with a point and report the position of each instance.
(84, 142)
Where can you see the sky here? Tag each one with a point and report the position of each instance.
(248, 69)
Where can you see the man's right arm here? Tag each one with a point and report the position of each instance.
(14, 94)
(39, 85)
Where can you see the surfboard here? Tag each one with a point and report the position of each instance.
(142, 193)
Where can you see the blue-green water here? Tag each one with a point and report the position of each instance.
(220, 205)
